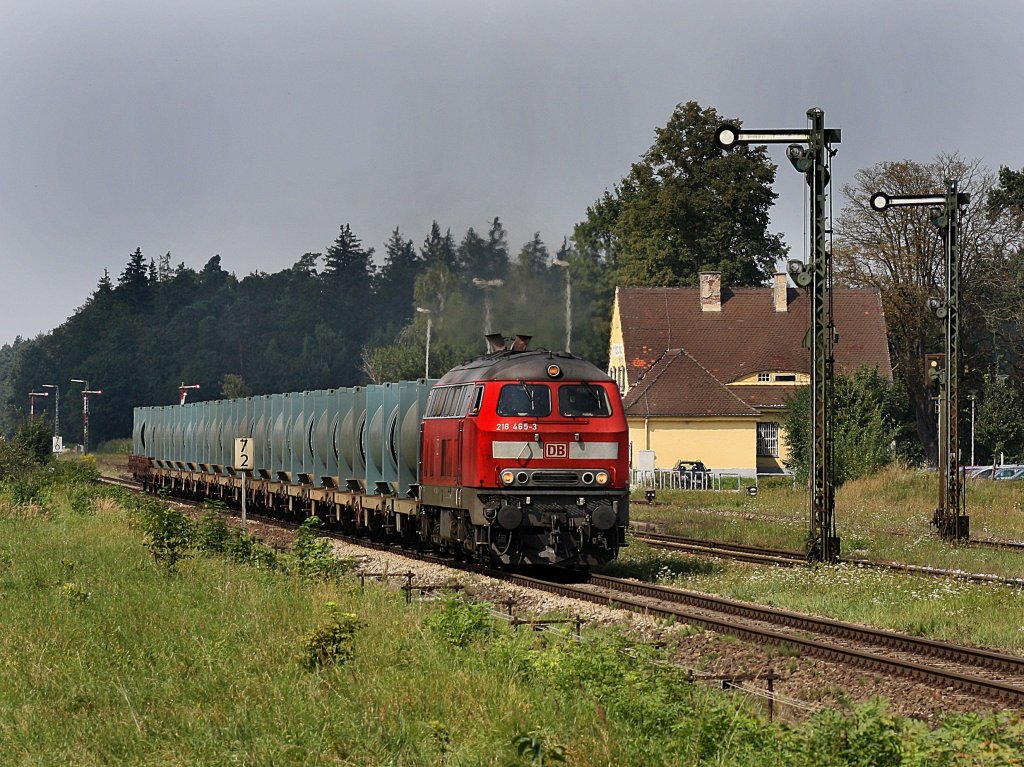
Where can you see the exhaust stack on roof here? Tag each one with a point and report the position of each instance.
(495, 343)
(781, 291)
(711, 291)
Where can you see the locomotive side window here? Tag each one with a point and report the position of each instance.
(524, 400)
(432, 401)
(451, 396)
(576, 400)
(449, 401)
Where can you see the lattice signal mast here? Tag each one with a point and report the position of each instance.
(944, 210)
(810, 152)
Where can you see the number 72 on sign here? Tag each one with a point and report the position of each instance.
(243, 454)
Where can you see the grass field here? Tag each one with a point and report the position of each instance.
(109, 657)
(884, 517)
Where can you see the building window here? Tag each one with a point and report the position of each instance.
(762, 377)
(785, 377)
(768, 439)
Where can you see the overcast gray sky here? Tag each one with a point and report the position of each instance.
(254, 130)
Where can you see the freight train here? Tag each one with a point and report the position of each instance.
(517, 457)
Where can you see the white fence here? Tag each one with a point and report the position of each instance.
(718, 481)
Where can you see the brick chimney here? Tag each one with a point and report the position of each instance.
(781, 287)
(711, 291)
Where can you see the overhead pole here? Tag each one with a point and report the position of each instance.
(950, 517)
(809, 151)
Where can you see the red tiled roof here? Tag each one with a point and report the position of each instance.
(748, 336)
(677, 385)
(764, 396)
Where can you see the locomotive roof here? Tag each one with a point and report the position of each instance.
(523, 365)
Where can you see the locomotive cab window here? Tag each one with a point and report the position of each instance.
(477, 401)
(524, 400)
(577, 400)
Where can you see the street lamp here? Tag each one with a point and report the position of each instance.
(568, 302)
(183, 390)
(426, 364)
(32, 403)
(487, 286)
(86, 391)
(56, 414)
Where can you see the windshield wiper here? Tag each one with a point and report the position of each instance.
(596, 394)
(529, 394)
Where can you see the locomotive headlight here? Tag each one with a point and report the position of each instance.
(508, 477)
(554, 371)
(601, 477)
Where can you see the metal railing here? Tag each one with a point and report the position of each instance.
(717, 481)
(662, 479)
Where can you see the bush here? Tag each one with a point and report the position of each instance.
(869, 735)
(314, 555)
(212, 533)
(458, 622)
(536, 747)
(168, 533)
(331, 642)
(870, 418)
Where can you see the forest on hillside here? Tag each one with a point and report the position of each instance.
(350, 315)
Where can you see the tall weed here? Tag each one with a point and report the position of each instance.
(458, 621)
(314, 556)
(168, 532)
(330, 643)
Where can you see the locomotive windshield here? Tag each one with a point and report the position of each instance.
(575, 400)
(524, 400)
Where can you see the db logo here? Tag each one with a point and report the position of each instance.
(556, 449)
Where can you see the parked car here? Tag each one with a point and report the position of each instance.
(692, 473)
(1010, 472)
(997, 472)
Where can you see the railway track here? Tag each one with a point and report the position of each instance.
(756, 555)
(984, 673)
(979, 672)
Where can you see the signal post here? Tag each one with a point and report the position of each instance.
(944, 210)
(810, 151)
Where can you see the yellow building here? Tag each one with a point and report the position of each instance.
(705, 372)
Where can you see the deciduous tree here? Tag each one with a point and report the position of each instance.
(687, 205)
(902, 254)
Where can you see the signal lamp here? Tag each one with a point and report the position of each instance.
(601, 477)
(800, 157)
(727, 135)
(879, 201)
(508, 477)
(938, 307)
(801, 273)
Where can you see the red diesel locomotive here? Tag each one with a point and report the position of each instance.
(525, 459)
(517, 457)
